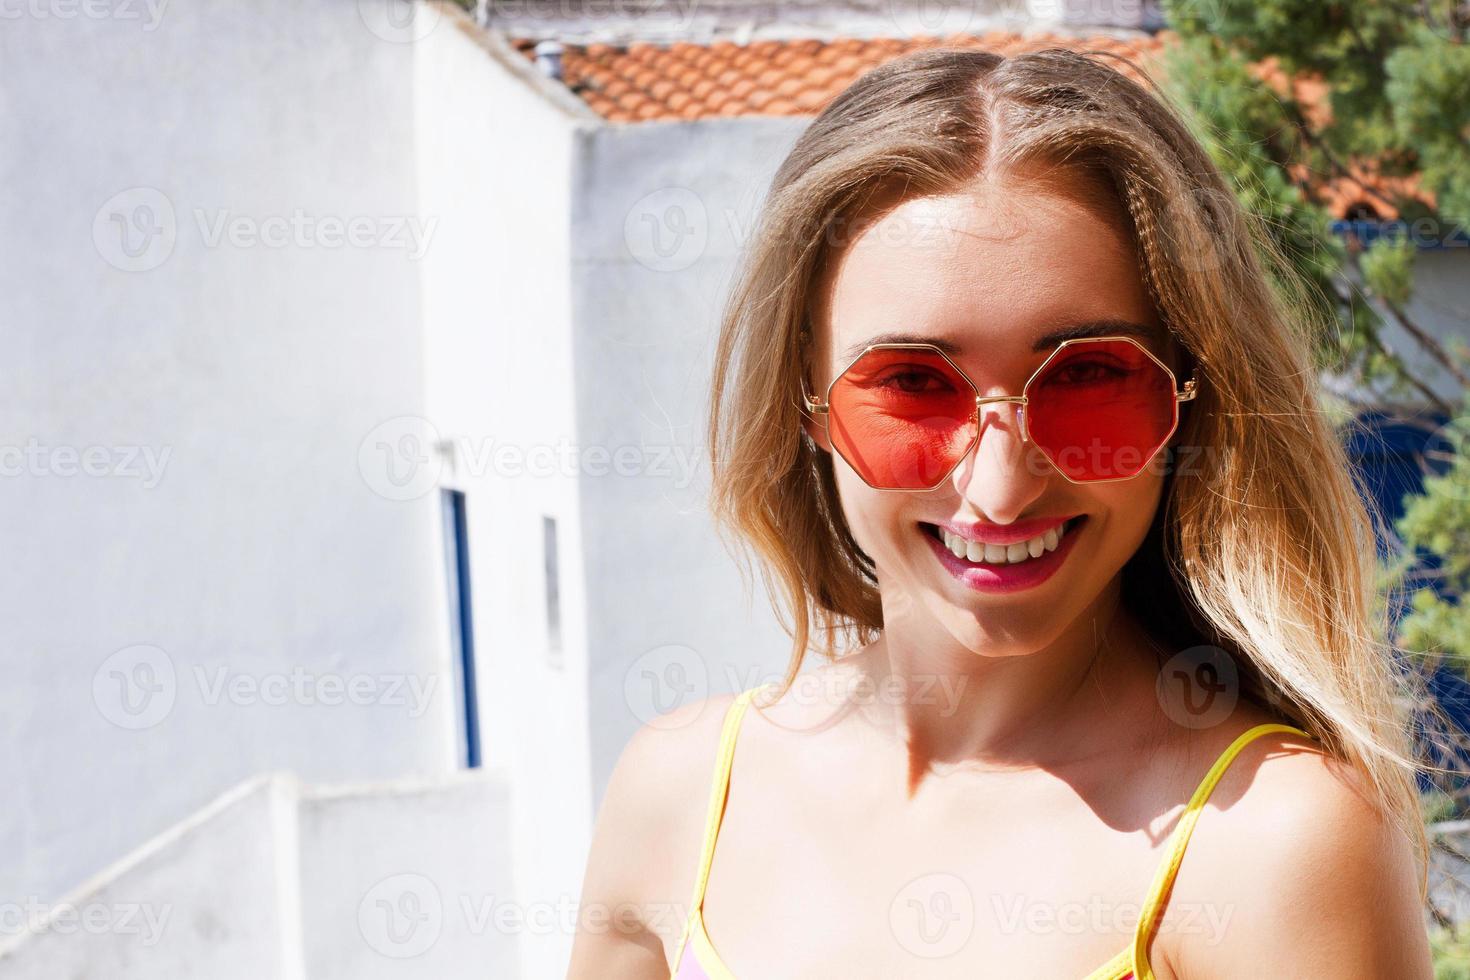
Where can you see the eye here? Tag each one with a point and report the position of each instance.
(1086, 371)
(912, 380)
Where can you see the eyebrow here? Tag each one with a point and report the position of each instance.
(1047, 341)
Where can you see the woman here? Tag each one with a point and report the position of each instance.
(1004, 393)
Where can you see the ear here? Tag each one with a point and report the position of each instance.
(814, 423)
(1186, 409)
(818, 433)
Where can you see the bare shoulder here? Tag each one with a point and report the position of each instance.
(645, 845)
(1301, 873)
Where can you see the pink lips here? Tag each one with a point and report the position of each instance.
(1004, 534)
(1000, 579)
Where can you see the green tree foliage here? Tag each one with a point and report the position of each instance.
(1397, 77)
(1436, 525)
(1451, 951)
(1397, 81)
(1398, 88)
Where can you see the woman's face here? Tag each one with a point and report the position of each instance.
(991, 270)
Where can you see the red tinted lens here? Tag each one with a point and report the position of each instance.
(902, 418)
(1101, 409)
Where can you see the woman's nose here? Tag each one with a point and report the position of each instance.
(1002, 474)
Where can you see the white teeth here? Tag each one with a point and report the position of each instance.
(998, 554)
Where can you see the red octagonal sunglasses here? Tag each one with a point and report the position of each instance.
(903, 416)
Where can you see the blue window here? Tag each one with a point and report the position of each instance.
(462, 628)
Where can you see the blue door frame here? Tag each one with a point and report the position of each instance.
(457, 558)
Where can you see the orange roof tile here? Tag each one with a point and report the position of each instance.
(747, 79)
(643, 81)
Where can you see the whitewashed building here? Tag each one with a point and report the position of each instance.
(353, 476)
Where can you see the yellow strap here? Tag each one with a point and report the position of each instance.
(1170, 865)
(1120, 967)
(1152, 905)
(716, 810)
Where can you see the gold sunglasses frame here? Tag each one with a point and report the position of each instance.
(823, 407)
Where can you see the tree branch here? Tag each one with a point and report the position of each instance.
(1427, 341)
(1378, 343)
(1339, 169)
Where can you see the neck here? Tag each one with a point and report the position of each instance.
(994, 705)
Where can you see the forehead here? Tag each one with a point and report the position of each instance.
(1003, 266)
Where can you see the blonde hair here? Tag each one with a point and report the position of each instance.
(1263, 545)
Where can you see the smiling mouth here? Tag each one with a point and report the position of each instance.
(996, 555)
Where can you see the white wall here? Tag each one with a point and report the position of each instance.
(278, 880)
(212, 896)
(494, 141)
(258, 370)
(554, 325)
(661, 212)
(704, 20)
(408, 881)
(1439, 304)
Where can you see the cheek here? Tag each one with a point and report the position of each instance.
(1130, 507)
(872, 515)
